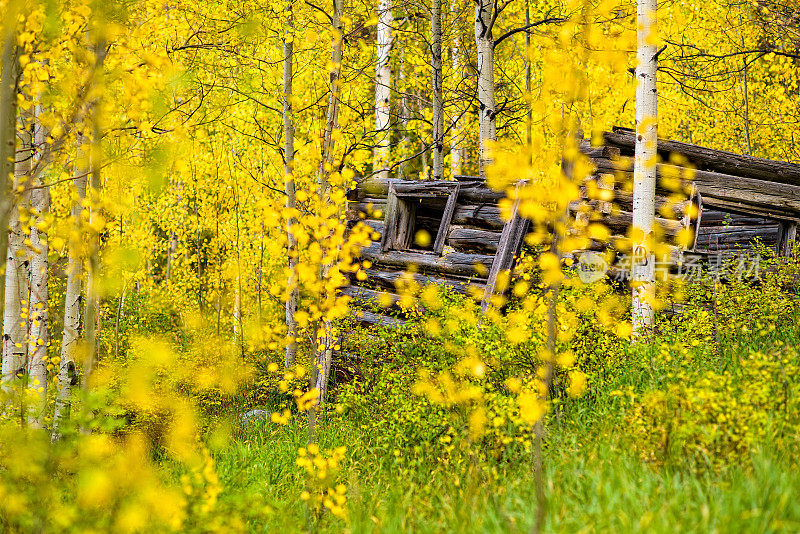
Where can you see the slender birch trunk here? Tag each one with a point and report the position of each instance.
(484, 42)
(383, 87)
(9, 81)
(456, 141)
(528, 110)
(644, 174)
(438, 103)
(238, 331)
(326, 341)
(404, 114)
(332, 116)
(70, 338)
(17, 292)
(91, 319)
(39, 317)
(171, 248)
(289, 186)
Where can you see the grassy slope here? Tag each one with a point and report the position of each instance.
(595, 483)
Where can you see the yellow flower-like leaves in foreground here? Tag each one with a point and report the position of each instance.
(531, 409)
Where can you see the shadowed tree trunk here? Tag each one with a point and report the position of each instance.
(17, 292)
(438, 104)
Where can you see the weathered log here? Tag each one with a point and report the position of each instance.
(485, 216)
(722, 190)
(510, 243)
(604, 151)
(458, 237)
(727, 218)
(387, 279)
(473, 239)
(624, 200)
(470, 191)
(715, 160)
(371, 295)
(726, 236)
(371, 318)
(447, 218)
(619, 221)
(787, 235)
(459, 263)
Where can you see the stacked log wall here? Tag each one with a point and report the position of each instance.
(472, 238)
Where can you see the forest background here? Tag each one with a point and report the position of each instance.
(178, 174)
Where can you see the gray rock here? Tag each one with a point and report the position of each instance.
(254, 416)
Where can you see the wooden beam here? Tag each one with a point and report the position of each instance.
(390, 221)
(507, 249)
(447, 218)
(716, 160)
(454, 263)
(470, 191)
(387, 278)
(787, 234)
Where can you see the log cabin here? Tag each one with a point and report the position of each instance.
(726, 199)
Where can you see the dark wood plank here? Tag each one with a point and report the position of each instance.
(507, 249)
(459, 263)
(447, 218)
(787, 234)
(716, 160)
(390, 221)
(470, 191)
(387, 278)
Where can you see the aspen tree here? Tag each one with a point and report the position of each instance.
(15, 313)
(383, 87)
(39, 315)
(91, 319)
(332, 116)
(644, 174)
(289, 186)
(484, 41)
(456, 140)
(9, 80)
(325, 349)
(405, 113)
(70, 338)
(438, 103)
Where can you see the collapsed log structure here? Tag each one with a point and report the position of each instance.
(741, 197)
(726, 200)
(465, 242)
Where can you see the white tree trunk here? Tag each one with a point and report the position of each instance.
(70, 340)
(438, 103)
(383, 88)
(456, 148)
(9, 79)
(644, 173)
(91, 313)
(15, 313)
(38, 329)
(289, 186)
(405, 113)
(325, 352)
(486, 98)
(332, 117)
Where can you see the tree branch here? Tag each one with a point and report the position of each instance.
(548, 20)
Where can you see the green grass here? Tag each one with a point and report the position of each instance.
(594, 484)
